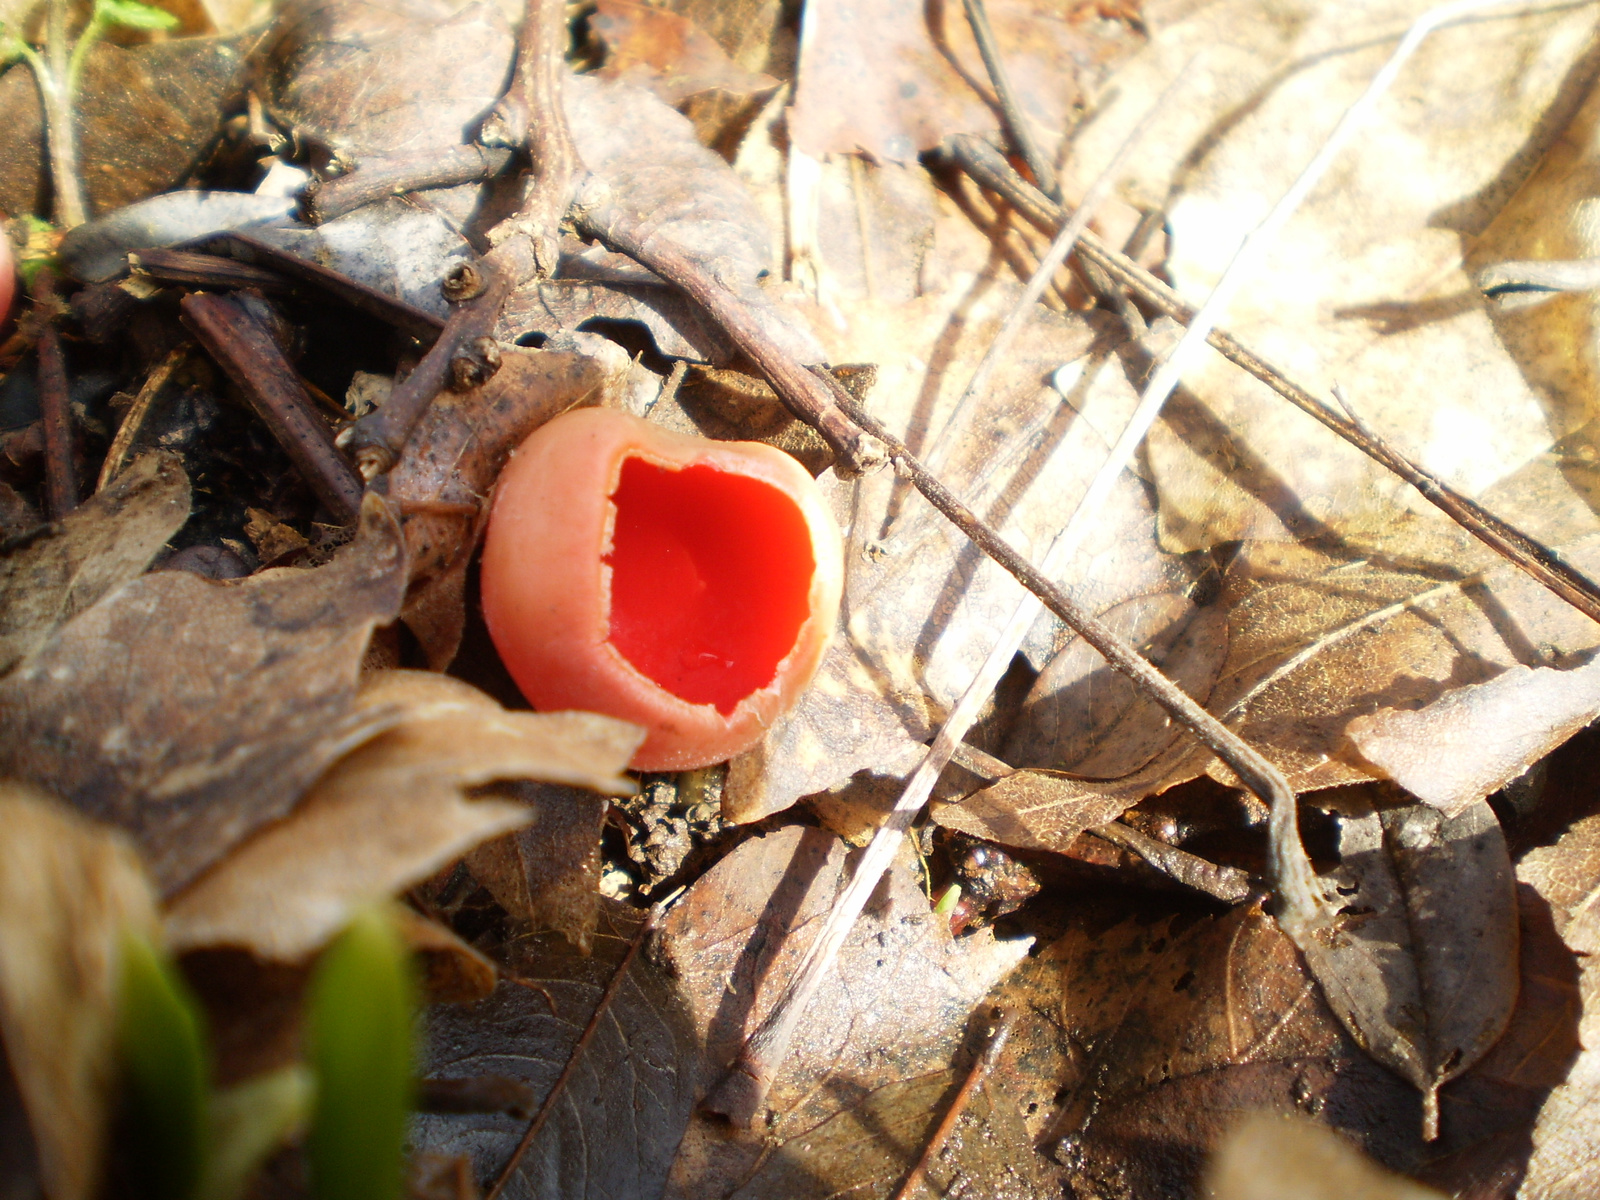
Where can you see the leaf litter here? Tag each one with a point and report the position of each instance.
(1340, 628)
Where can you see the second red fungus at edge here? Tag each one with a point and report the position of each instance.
(710, 579)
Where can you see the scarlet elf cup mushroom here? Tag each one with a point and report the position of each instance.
(687, 585)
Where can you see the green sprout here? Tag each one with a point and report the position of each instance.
(57, 70)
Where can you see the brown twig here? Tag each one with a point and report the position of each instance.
(526, 245)
(208, 271)
(133, 420)
(999, 1033)
(1016, 121)
(802, 392)
(1228, 884)
(990, 169)
(377, 179)
(251, 358)
(55, 402)
(652, 917)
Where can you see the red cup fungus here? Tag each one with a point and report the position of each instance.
(687, 585)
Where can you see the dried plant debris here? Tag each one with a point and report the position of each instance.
(392, 812)
(615, 1124)
(891, 1016)
(1269, 1158)
(455, 456)
(62, 571)
(190, 713)
(71, 892)
(1566, 1158)
(667, 53)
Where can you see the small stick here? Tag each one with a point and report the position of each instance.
(133, 420)
(253, 360)
(999, 1033)
(652, 917)
(1228, 884)
(527, 245)
(623, 230)
(379, 178)
(208, 271)
(1016, 120)
(55, 403)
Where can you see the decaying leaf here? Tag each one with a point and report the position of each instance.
(614, 1127)
(110, 540)
(391, 812)
(1421, 965)
(1269, 1158)
(454, 457)
(548, 875)
(893, 1011)
(190, 713)
(70, 892)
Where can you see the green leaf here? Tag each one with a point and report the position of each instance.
(363, 999)
(167, 1073)
(133, 15)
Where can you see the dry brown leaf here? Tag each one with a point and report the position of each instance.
(70, 893)
(922, 606)
(1420, 962)
(892, 79)
(1474, 740)
(1366, 285)
(109, 540)
(190, 713)
(667, 53)
(548, 875)
(451, 462)
(368, 79)
(452, 971)
(894, 1008)
(146, 115)
(392, 812)
(1566, 1156)
(1269, 1158)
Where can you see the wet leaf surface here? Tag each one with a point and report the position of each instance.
(70, 892)
(190, 713)
(616, 1124)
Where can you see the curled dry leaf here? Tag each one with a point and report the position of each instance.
(391, 812)
(70, 892)
(451, 463)
(1269, 1158)
(111, 539)
(1421, 961)
(1566, 1158)
(190, 713)
(893, 1011)
(1474, 740)
(614, 1126)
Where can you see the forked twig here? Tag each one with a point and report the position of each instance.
(602, 1007)
(1016, 121)
(526, 244)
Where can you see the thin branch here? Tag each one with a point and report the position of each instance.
(1016, 121)
(999, 1033)
(1228, 884)
(255, 363)
(526, 245)
(379, 178)
(990, 170)
(613, 985)
(55, 403)
(803, 393)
